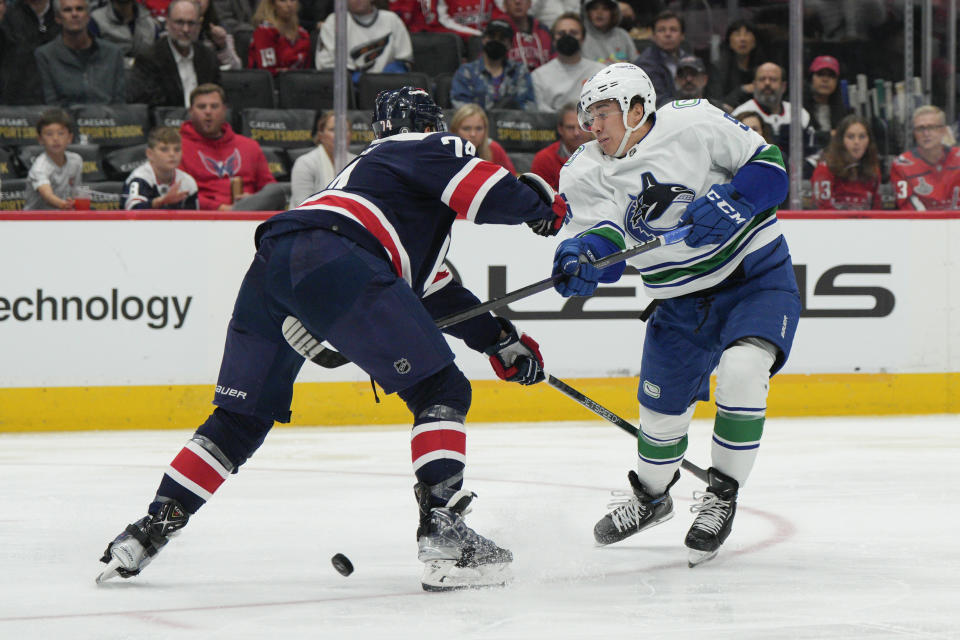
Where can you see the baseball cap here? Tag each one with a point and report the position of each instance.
(825, 62)
(691, 62)
(498, 27)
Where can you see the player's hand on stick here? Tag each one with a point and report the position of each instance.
(572, 260)
(717, 216)
(545, 226)
(516, 356)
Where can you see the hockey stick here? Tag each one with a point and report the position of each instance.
(331, 359)
(610, 416)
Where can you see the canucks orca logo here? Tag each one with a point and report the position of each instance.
(648, 206)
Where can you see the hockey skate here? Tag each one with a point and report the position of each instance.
(715, 509)
(635, 513)
(136, 546)
(455, 556)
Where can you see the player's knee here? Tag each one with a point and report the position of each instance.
(743, 375)
(234, 435)
(447, 387)
(664, 426)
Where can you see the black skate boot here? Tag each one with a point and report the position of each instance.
(634, 514)
(715, 510)
(136, 546)
(456, 556)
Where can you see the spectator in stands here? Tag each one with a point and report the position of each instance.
(314, 170)
(848, 174)
(377, 41)
(214, 36)
(731, 79)
(492, 81)
(470, 123)
(769, 85)
(55, 173)
(532, 42)
(823, 100)
(125, 23)
(463, 17)
(560, 80)
(660, 59)
(158, 183)
(312, 13)
(754, 120)
(77, 68)
(174, 66)
(279, 42)
(27, 25)
(691, 80)
(604, 41)
(547, 11)
(216, 156)
(235, 15)
(548, 161)
(928, 176)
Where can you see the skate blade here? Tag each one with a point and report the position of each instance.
(110, 571)
(696, 557)
(444, 575)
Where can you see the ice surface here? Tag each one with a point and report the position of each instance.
(847, 529)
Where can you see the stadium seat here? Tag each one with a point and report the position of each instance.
(12, 194)
(293, 154)
(361, 131)
(308, 89)
(9, 165)
(241, 42)
(278, 161)
(373, 83)
(523, 131)
(111, 125)
(19, 124)
(106, 196)
(118, 164)
(474, 48)
(248, 89)
(441, 89)
(285, 128)
(436, 52)
(522, 161)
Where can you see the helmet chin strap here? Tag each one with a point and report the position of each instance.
(626, 134)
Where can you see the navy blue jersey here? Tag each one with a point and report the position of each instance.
(142, 187)
(400, 196)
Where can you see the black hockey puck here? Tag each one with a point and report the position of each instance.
(342, 564)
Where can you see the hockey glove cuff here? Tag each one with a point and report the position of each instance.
(516, 357)
(717, 216)
(572, 260)
(545, 226)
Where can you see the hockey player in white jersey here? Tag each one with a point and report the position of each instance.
(726, 298)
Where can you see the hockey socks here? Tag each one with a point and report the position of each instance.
(736, 442)
(194, 475)
(438, 450)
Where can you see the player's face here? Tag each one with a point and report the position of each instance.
(824, 82)
(856, 140)
(473, 129)
(667, 34)
(928, 131)
(607, 125)
(55, 138)
(571, 135)
(165, 156)
(285, 9)
(208, 114)
(742, 41)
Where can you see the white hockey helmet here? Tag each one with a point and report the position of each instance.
(621, 82)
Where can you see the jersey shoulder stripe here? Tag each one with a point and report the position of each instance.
(467, 189)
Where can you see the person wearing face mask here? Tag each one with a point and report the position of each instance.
(493, 81)
(848, 175)
(559, 81)
(126, 23)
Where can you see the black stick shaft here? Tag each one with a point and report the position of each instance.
(610, 416)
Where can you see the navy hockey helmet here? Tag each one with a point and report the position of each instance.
(406, 110)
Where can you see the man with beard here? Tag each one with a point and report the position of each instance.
(769, 85)
(691, 81)
(559, 81)
(167, 72)
(492, 81)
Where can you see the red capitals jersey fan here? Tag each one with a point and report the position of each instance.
(922, 186)
(831, 192)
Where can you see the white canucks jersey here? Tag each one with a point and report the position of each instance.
(691, 146)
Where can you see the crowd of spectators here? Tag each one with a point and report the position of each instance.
(531, 56)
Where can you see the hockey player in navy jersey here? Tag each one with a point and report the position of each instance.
(727, 295)
(360, 265)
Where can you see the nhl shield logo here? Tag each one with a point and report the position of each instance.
(402, 366)
(645, 209)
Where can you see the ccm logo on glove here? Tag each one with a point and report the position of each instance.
(726, 207)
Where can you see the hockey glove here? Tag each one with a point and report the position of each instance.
(717, 216)
(572, 260)
(545, 226)
(516, 358)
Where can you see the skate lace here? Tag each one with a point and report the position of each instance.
(627, 510)
(711, 511)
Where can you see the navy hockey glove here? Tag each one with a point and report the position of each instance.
(545, 226)
(516, 358)
(717, 216)
(572, 260)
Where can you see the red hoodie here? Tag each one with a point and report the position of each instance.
(213, 161)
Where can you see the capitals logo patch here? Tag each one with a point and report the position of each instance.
(225, 168)
(642, 219)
